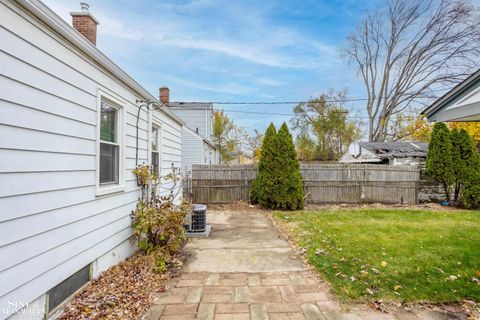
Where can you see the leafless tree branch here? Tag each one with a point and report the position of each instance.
(410, 49)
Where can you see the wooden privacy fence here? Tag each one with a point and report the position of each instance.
(323, 183)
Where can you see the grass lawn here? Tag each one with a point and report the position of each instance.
(401, 255)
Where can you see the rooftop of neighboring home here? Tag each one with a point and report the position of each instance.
(396, 149)
(193, 105)
(384, 152)
(198, 116)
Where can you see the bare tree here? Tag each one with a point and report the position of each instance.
(409, 50)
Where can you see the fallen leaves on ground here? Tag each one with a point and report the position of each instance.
(122, 292)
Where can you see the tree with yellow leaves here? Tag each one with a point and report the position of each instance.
(420, 130)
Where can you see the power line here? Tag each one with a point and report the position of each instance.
(279, 114)
(299, 102)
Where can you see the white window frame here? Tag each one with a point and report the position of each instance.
(157, 125)
(119, 104)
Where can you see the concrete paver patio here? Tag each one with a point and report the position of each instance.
(247, 270)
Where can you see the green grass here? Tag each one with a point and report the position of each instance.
(399, 255)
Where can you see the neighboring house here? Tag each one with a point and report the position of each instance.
(462, 103)
(196, 150)
(68, 140)
(391, 153)
(197, 134)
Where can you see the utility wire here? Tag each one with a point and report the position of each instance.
(298, 102)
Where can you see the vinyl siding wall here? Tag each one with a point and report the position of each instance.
(192, 150)
(51, 222)
(200, 118)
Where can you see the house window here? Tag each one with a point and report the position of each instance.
(109, 146)
(155, 151)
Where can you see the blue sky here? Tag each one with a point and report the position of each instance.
(219, 50)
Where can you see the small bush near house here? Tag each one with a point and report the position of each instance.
(279, 183)
(157, 221)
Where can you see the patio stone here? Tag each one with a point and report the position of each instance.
(329, 306)
(178, 317)
(234, 276)
(190, 283)
(341, 316)
(171, 296)
(274, 275)
(283, 307)
(302, 284)
(194, 295)
(154, 312)
(276, 282)
(192, 276)
(265, 294)
(179, 309)
(312, 312)
(289, 294)
(232, 308)
(242, 294)
(218, 289)
(217, 297)
(286, 316)
(213, 280)
(206, 311)
(313, 296)
(258, 312)
(233, 282)
(254, 280)
(232, 316)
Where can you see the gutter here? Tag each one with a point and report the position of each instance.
(50, 18)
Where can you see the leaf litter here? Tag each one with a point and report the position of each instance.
(125, 291)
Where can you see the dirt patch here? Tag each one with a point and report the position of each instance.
(240, 206)
(122, 292)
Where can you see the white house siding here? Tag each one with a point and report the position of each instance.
(52, 223)
(209, 154)
(192, 150)
(170, 148)
(194, 118)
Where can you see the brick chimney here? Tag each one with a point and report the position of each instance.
(164, 95)
(85, 23)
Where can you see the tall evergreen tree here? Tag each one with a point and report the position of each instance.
(279, 183)
(289, 187)
(439, 160)
(263, 186)
(463, 157)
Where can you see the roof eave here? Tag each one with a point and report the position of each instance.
(452, 94)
